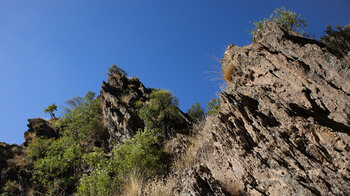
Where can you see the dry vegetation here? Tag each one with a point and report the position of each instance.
(164, 186)
(228, 70)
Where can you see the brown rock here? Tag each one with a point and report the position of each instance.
(284, 122)
(119, 96)
(15, 168)
(38, 127)
(198, 181)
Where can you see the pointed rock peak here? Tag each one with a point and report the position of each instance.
(119, 96)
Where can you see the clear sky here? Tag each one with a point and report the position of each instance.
(53, 50)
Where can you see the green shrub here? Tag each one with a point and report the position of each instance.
(55, 164)
(58, 162)
(98, 182)
(116, 69)
(196, 112)
(161, 112)
(213, 106)
(83, 119)
(101, 180)
(138, 155)
(287, 18)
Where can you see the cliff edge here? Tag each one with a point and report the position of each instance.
(284, 122)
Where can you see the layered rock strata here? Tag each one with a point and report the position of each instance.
(284, 121)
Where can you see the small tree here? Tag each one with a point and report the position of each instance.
(115, 69)
(287, 18)
(213, 106)
(50, 109)
(83, 117)
(196, 112)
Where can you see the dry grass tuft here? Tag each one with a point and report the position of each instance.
(20, 161)
(161, 187)
(196, 141)
(133, 186)
(233, 189)
(30, 191)
(29, 135)
(156, 187)
(228, 70)
(125, 99)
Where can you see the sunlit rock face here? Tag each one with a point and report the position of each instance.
(284, 121)
(119, 96)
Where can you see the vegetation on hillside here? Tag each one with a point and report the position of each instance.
(161, 113)
(76, 163)
(116, 69)
(213, 106)
(196, 112)
(337, 40)
(287, 18)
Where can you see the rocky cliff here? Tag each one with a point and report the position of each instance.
(119, 96)
(283, 127)
(15, 169)
(284, 121)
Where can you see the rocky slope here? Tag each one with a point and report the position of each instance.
(14, 166)
(283, 127)
(284, 122)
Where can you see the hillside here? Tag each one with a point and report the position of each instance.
(282, 128)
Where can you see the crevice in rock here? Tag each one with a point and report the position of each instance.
(337, 88)
(312, 189)
(302, 41)
(296, 110)
(252, 105)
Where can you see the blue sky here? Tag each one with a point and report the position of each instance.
(53, 50)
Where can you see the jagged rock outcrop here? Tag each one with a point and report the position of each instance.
(119, 96)
(284, 121)
(39, 127)
(198, 181)
(15, 169)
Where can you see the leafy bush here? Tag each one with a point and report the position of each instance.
(287, 18)
(98, 182)
(196, 112)
(83, 119)
(116, 69)
(161, 112)
(138, 155)
(213, 106)
(55, 163)
(101, 180)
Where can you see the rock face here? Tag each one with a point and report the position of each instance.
(284, 121)
(198, 181)
(119, 96)
(38, 127)
(15, 169)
